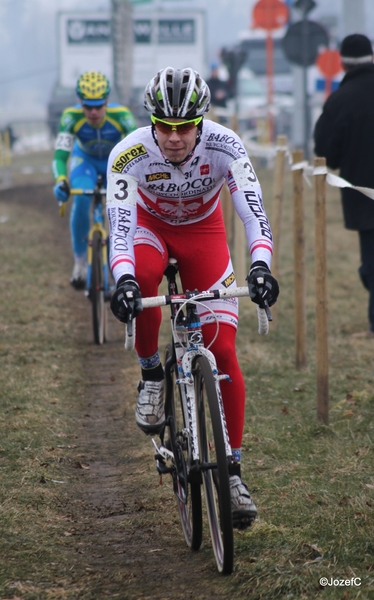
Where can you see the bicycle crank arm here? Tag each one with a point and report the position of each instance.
(162, 451)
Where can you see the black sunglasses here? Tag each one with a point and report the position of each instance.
(97, 107)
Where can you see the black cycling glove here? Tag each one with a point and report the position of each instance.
(262, 285)
(127, 298)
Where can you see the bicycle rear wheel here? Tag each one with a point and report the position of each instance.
(97, 290)
(214, 465)
(187, 486)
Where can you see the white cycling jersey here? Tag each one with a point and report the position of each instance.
(139, 174)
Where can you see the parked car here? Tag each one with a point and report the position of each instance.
(251, 104)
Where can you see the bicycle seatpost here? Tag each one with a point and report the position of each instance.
(171, 272)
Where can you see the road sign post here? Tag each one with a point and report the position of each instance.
(301, 45)
(270, 15)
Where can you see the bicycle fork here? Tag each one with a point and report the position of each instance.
(188, 382)
(163, 455)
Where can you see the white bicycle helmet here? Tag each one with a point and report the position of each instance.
(178, 93)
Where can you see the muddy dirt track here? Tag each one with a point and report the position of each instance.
(124, 540)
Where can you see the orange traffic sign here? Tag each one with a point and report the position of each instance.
(270, 14)
(329, 63)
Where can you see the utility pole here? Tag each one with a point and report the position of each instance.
(301, 119)
(353, 17)
(122, 41)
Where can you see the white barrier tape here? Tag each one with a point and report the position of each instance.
(286, 151)
(268, 152)
(308, 170)
(320, 170)
(288, 155)
(331, 179)
(300, 165)
(258, 150)
(339, 182)
(263, 150)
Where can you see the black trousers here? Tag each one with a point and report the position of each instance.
(366, 269)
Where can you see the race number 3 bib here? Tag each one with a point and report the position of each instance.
(243, 173)
(122, 189)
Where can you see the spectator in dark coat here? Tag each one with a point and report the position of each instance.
(219, 89)
(344, 135)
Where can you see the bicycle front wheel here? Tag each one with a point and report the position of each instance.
(187, 484)
(97, 290)
(214, 465)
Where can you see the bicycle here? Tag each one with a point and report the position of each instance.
(195, 448)
(99, 284)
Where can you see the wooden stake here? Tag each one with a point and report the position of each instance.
(7, 152)
(278, 201)
(276, 221)
(321, 294)
(299, 260)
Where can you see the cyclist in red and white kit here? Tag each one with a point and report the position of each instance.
(163, 201)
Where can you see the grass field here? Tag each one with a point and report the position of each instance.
(313, 483)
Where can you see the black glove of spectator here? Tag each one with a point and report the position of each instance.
(262, 285)
(127, 298)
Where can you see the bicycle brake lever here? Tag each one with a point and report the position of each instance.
(62, 208)
(129, 329)
(266, 308)
(130, 318)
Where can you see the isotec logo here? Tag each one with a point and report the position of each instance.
(127, 156)
(204, 170)
(157, 176)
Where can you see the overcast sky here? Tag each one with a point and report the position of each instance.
(29, 53)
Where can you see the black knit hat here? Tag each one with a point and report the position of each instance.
(356, 49)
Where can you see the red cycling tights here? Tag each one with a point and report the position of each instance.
(202, 256)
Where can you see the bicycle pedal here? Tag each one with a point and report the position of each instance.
(224, 377)
(159, 459)
(161, 466)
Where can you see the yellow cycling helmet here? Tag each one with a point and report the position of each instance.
(93, 88)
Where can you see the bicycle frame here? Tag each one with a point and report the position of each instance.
(188, 344)
(98, 224)
(192, 345)
(98, 287)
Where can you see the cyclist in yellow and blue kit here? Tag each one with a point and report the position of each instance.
(88, 132)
